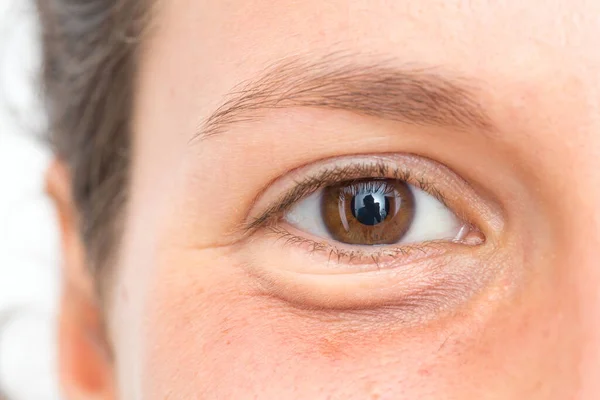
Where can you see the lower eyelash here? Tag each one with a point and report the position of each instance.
(383, 255)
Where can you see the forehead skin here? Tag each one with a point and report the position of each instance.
(185, 328)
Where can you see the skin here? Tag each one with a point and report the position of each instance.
(194, 309)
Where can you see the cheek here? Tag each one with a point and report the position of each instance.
(211, 334)
(208, 333)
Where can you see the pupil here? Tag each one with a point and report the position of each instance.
(370, 208)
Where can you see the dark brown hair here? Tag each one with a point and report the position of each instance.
(90, 51)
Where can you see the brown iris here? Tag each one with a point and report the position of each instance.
(369, 211)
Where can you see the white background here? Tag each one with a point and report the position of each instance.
(28, 240)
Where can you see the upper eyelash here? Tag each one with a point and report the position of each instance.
(373, 185)
(352, 172)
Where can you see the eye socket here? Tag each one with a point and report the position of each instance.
(375, 212)
(310, 244)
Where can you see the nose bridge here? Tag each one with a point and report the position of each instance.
(584, 213)
(588, 293)
(588, 287)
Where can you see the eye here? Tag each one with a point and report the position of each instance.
(370, 231)
(375, 212)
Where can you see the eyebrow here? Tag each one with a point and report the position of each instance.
(419, 96)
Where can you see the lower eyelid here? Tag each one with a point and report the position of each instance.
(418, 289)
(336, 258)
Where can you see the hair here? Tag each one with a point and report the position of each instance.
(89, 53)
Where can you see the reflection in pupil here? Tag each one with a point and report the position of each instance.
(370, 208)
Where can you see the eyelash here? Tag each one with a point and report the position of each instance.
(306, 186)
(431, 248)
(348, 173)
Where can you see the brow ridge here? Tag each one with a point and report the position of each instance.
(413, 95)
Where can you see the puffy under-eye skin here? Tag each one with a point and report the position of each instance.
(416, 281)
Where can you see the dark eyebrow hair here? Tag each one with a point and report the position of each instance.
(421, 96)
